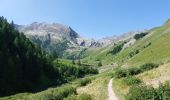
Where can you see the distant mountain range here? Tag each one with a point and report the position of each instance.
(60, 37)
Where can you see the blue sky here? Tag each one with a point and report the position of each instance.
(90, 18)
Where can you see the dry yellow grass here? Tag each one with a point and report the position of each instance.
(156, 76)
(120, 88)
(97, 89)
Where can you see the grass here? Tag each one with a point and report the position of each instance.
(97, 88)
(157, 52)
(79, 97)
(68, 91)
(58, 93)
(156, 76)
(85, 81)
(120, 88)
(131, 81)
(152, 77)
(55, 93)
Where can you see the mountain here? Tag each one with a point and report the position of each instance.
(138, 62)
(55, 36)
(152, 47)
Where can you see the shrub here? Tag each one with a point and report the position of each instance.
(127, 72)
(79, 97)
(84, 82)
(133, 71)
(121, 73)
(117, 48)
(132, 80)
(149, 93)
(72, 97)
(99, 64)
(140, 93)
(54, 94)
(133, 53)
(84, 97)
(141, 35)
(147, 45)
(148, 66)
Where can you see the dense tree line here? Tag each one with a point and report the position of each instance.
(70, 72)
(23, 65)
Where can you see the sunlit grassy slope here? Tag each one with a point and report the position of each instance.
(96, 54)
(97, 89)
(151, 78)
(156, 76)
(158, 51)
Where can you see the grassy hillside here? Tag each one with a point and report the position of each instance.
(99, 54)
(156, 76)
(25, 67)
(151, 48)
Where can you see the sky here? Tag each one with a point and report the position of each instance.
(90, 18)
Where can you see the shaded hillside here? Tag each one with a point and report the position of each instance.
(24, 67)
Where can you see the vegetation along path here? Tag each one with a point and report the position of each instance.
(111, 93)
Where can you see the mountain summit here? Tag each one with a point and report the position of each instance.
(54, 32)
(55, 36)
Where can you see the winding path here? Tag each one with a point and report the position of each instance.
(111, 93)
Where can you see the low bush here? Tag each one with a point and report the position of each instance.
(53, 94)
(140, 93)
(127, 72)
(149, 93)
(85, 81)
(148, 66)
(133, 53)
(132, 80)
(140, 35)
(117, 48)
(147, 45)
(84, 97)
(133, 71)
(72, 97)
(121, 73)
(79, 97)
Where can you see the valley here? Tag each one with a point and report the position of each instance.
(58, 64)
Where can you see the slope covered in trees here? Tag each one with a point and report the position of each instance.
(24, 66)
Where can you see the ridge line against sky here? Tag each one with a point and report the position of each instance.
(90, 18)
